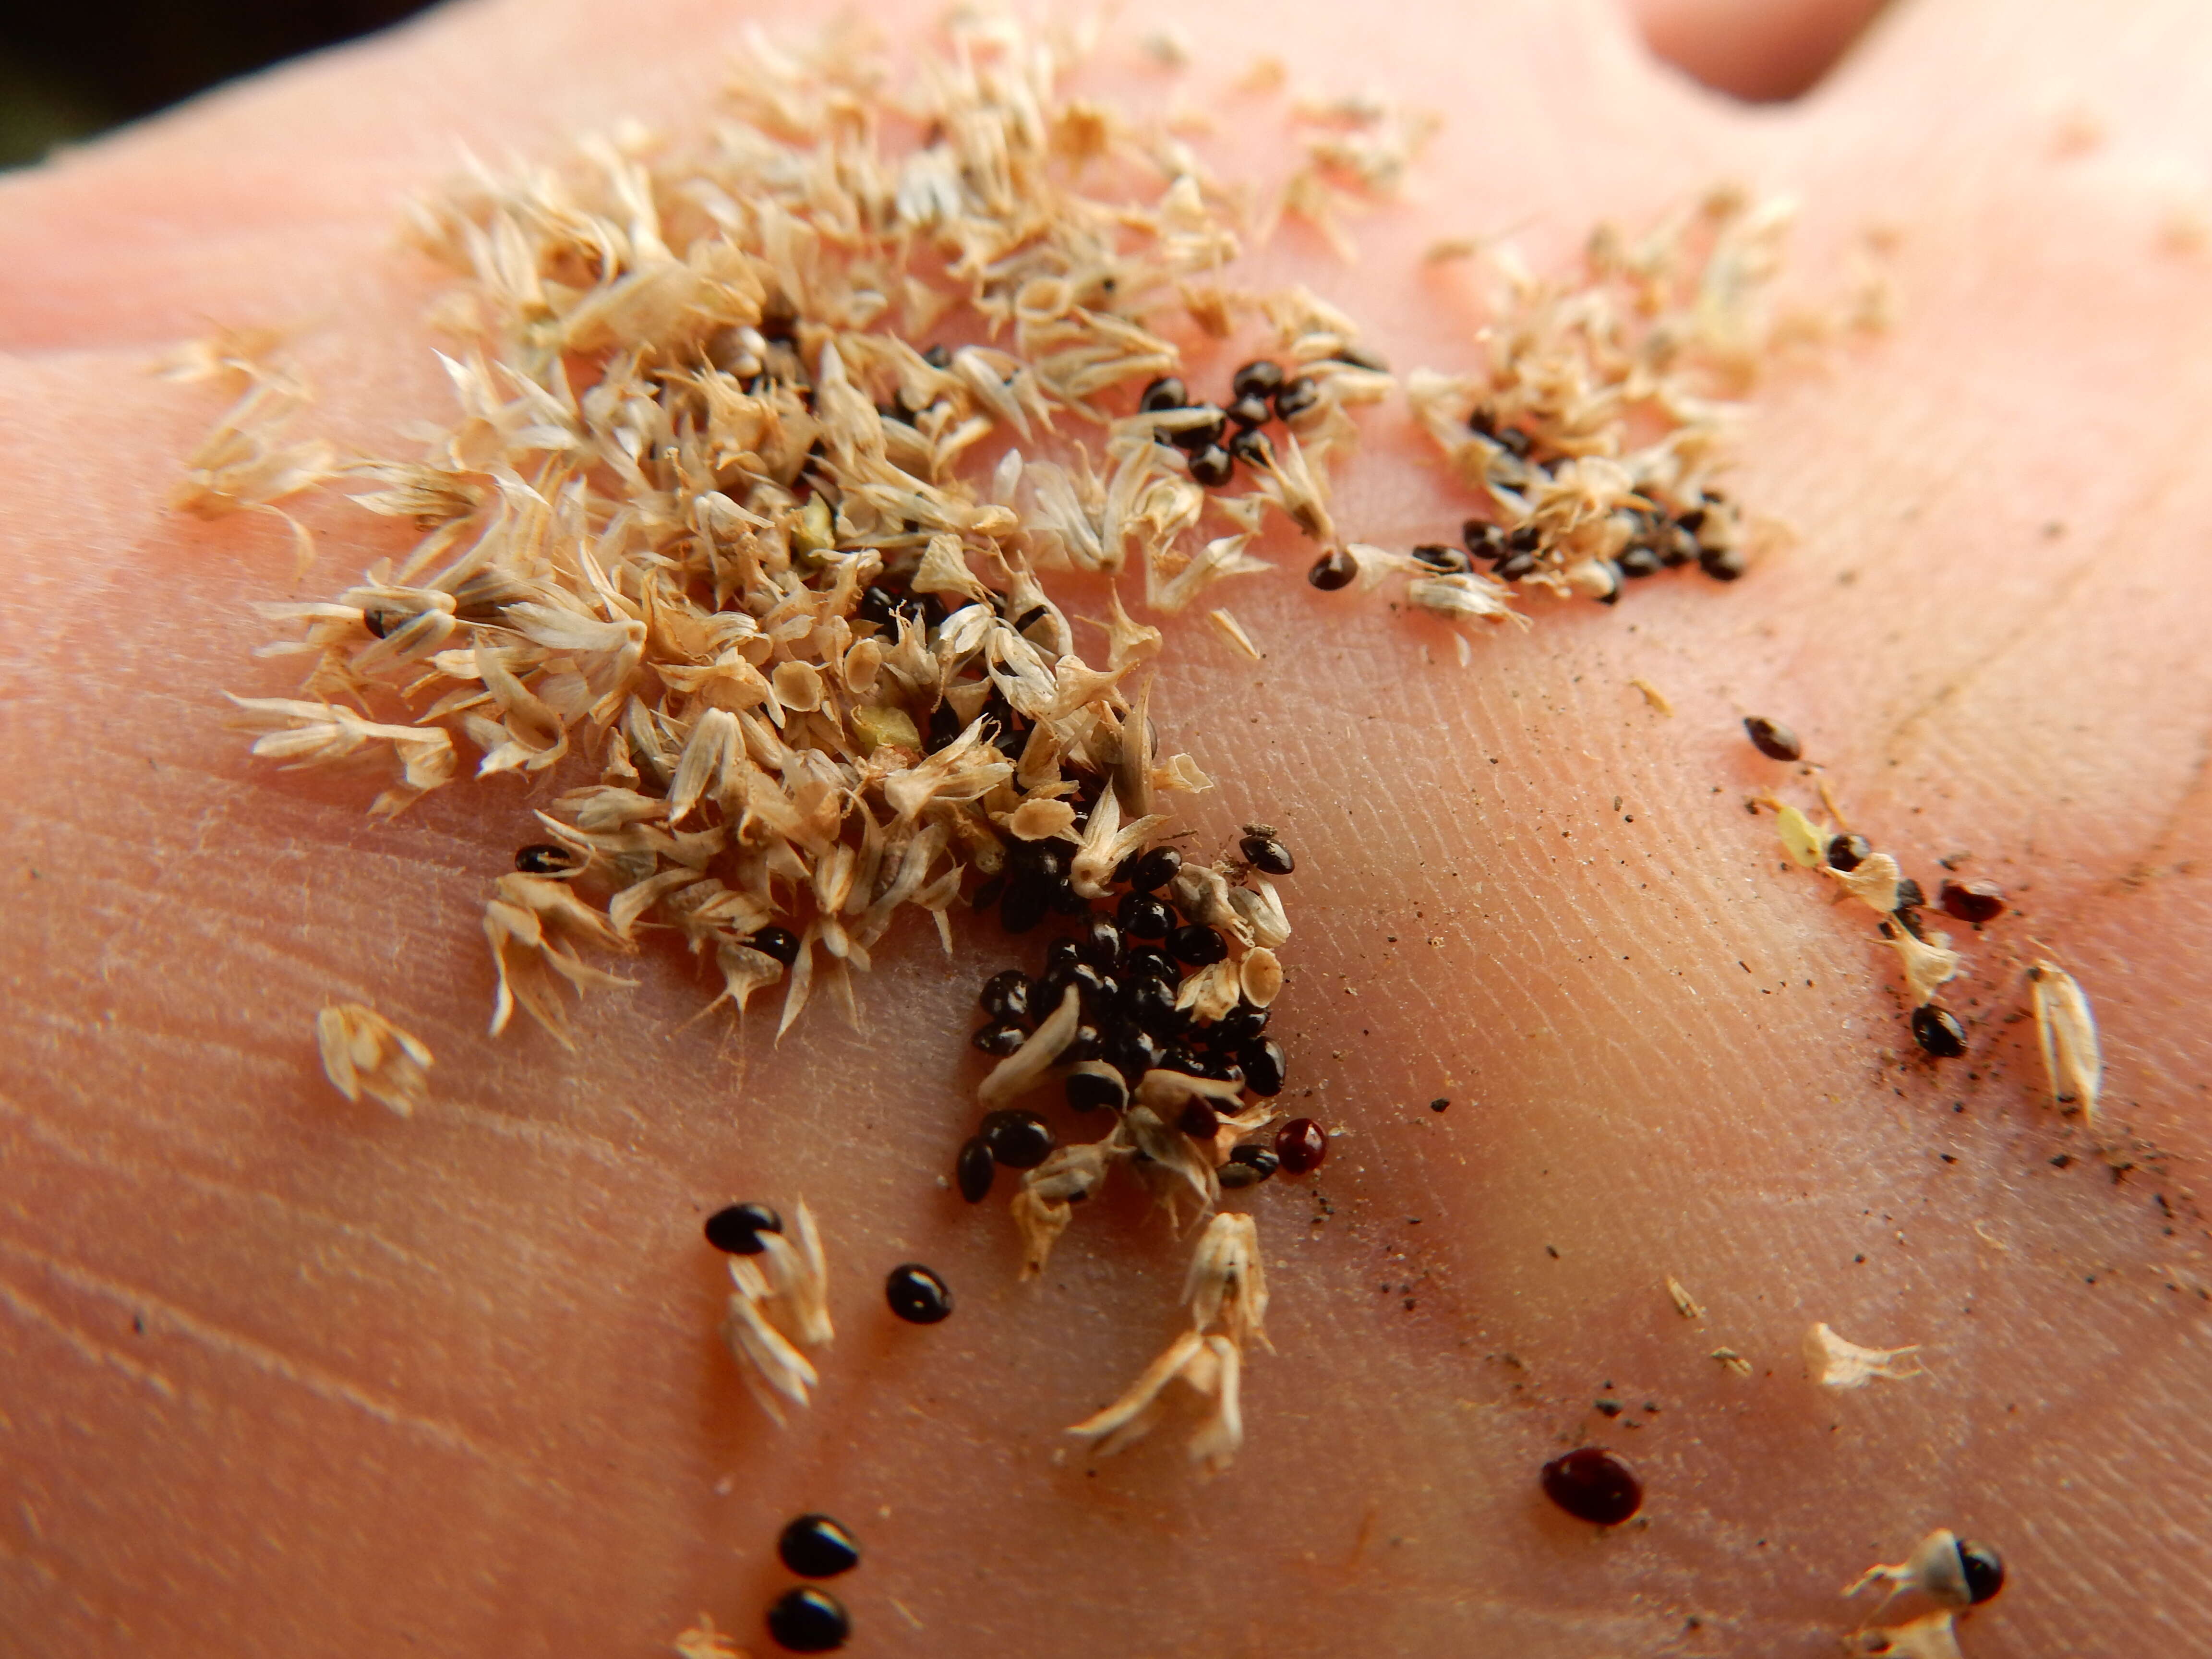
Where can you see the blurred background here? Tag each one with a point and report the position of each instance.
(67, 73)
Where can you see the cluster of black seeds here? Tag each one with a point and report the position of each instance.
(1127, 967)
(1935, 1028)
(1259, 393)
(805, 1620)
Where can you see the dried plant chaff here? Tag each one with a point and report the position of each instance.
(2066, 1031)
(1834, 1363)
(364, 1052)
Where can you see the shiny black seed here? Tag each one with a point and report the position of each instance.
(1247, 413)
(1087, 1091)
(1722, 564)
(1180, 1058)
(1146, 961)
(778, 942)
(1018, 1139)
(1772, 740)
(1204, 434)
(973, 1168)
(1025, 903)
(1211, 467)
(1252, 448)
(382, 622)
(1031, 618)
(541, 858)
(1909, 895)
(1252, 1155)
(945, 725)
(989, 892)
(1240, 1025)
(1983, 1570)
(1482, 539)
(1514, 566)
(1166, 393)
(1848, 852)
(1692, 521)
(938, 356)
(1220, 1068)
(1294, 398)
(1263, 1065)
(1196, 944)
(1151, 1004)
(917, 1295)
(1360, 357)
(1611, 595)
(1937, 1032)
(1975, 902)
(1258, 379)
(1333, 569)
(1060, 953)
(1437, 557)
(1150, 871)
(1087, 1043)
(1637, 560)
(1133, 1052)
(816, 1546)
(1198, 1120)
(736, 1230)
(1265, 853)
(1067, 901)
(1143, 916)
(1594, 1485)
(1005, 995)
(1094, 986)
(998, 1040)
(809, 1620)
(1527, 539)
(1676, 546)
(1099, 943)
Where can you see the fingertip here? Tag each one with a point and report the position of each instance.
(1759, 51)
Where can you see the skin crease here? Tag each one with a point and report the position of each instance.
(285, 1376)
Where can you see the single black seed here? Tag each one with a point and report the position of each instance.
(1692, 521)
(1150, 871)
(1031, 618)
(1146, 961)
(1360, 357)
(1133, 1052)
(1196, 944)
(1333, 569)
(974, 1169)
(809, 1620)
(1099, 943)
(1252, 448)
(1722, 564)
(1025, 903)
(1265, 853)
(1250, 412)
(938, 356)
(1482, 539)
(816, 1546)
(382, 622)
(1060, 953)
(1018, 1139)
(1294, 398)
(1263, 1065)
(1087, 1043)
(878, 606)
(1937, 1032)
(1982, 1568)
(1638, 560)
(1007, 996)
(1848, 852)
(1437, 557)
(736, 1230)
(1514, 566)
(1204, 434)
(1252, 1155)
(917, 1295)
(1483, 418)
(1240, 1025)
(1612, 572)
(1087, 1091)
(1676, 546)
(1975, 902)
(945, 725)
(1909, 895)
(989, 892)
(778, 942)
(541, 858)
(1143, 916)
(1773, 739)
(1261, 377)
(1150, 1003)
(1527, 539)
(1047, 859)
(1067, 901)
(1219, 1067)
(999, 1040)
(1166, 393)
(1211, 467)
(1594, 1485)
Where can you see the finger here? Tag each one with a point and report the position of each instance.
(1762, 52)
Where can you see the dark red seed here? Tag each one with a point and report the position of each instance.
(1199, 1120)
(1594, 1485)
(1772, 740)
(1937, 1032)
(1300, 1145)
(1333, 570)
(1975, 902)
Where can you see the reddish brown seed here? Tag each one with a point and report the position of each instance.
(1977, 902)
(1594, 1485)
(1301, 1144)
(1199, 1120)
(1333, 570)
(1773, 739)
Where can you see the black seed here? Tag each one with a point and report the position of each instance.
(1166, 393)
(1151, 1004)
(1211, 467)
(816, 1546)
(382, 622)
(1692, 521)
(1722, 564)
(1099, 943)
(1482, 539)
(1937, 1032)
(541, 858)
(878, 606)
(736, 1230)
(1150, 871)
(1029, 619)
(1143, 916)
(1909, 895)
(1975, 902)
(1594, 1485)
(1483, 418)
(989, 892)
(938, 356)
(1250, 412)
(1067, 901)
(1133, 1052)
(1258, 379)
(1096, 988)
(1612, 571)
(1514, 566)
(1265, 853)
(1196, 944)
(1007, 996)
(1517, 440)
(1220, 1068)
(1333, 569)
(1240, 1025)
(945, 725)
(1253, 449)
(1773, 739)
(1676, 546)
(998, 1040)
(973, 1170)
(778, 942)
(1294, 398)
(1437, 557)
(1253, 1155)
(1527, 539)
(1263, 1065)
(1848, 852)
(1203, 435)
(1060, 953)
(1025, 903)
(1086, 1044)
(1087, 1091)
(1146, 961)
(1179, 1058)
(917, 1295)
(1983, 1570)
(1637, 560)
(1018, 1139)
(1360, 357)
(809, 1620)
(1197, 1119)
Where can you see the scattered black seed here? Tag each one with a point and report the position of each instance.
(816, 1546)
(1006, 995)
(1203, 435)
(1608, 1407)
(1087, 1043)
(1018, 1139)
(1240, 1025)
(1637, 560)
(1692, 521)
(1722, 564)
(1250, 412)
(1975, 902)
(1440, 1105)
(1301, 1144)
(1594, 1485)
(1197, 944)
(1198, 1120)
(1937, 1032)
(1516, 565)
(1265, 853)
(1773, 739)
(1060, 953)
(1261, 377)
(1483, 419)
(998, 1040)
(1437, 557)
(1909, 897)
(1149, 871)
(541, 858)
(1482, 539)
(1252, 448)
(974, 1169)
(1848, 852)
(809, 1620)
(778, 942)
(736, 1230)
(1143, 916)
(1676, 546)
(1983, 1570)
(1031, 618)
(1294, 398)
(1263, 1065)
(1087, 1091)
(917, 1295)
(1096, 989)
(1333, 569)
(1145, 960)
(1166, 393)
(1212, 466)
